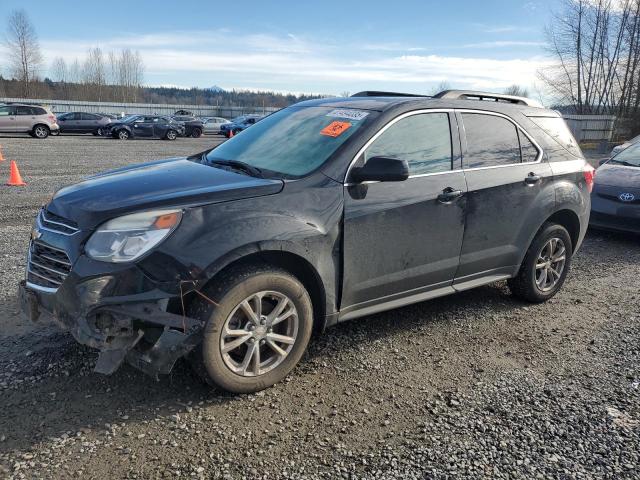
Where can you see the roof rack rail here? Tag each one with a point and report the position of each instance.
(495, 97)
(375, 93)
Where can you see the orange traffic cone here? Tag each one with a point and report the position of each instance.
(2, 159)
(15, 180)
(230, 133)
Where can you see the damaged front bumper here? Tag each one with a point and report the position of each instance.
(136, 328)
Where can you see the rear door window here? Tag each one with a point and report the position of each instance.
(22, 110)
(491, 141)
(423, 140)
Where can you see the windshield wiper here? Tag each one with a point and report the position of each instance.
(238, 165)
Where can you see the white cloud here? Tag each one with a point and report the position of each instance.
(293, 63)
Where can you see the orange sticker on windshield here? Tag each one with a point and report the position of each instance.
(335, 129)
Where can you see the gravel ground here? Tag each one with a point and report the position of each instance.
(472, 385)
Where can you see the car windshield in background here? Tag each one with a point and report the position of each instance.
(292, 142)
(129, 118)
(629, 156)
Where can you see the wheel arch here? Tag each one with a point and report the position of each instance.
(291, 262)
(569, 220)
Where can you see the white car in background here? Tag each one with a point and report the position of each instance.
(212, 125)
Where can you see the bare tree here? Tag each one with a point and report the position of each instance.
(23, 48)
(596, 45)
(94, 73)
(441, 87)
(59, 71)
(516, 90)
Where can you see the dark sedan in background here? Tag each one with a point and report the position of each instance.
(83, 122)
(145, 126)
(239, 124)
(615, 201)
(193, 127)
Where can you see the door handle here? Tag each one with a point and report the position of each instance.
(532, 179)
(448, 195)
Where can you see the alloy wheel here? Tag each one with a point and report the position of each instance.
(259, 333)
(41, 132)
(550, 264)
(123, 135)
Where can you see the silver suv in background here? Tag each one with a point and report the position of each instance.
(37, 121)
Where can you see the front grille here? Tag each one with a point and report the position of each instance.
(48, 266)
(56, 223)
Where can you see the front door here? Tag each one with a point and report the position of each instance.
(403, 238)
(510, 192)
(7, 119)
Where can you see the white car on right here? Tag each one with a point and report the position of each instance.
(212, 125)
(616, 150)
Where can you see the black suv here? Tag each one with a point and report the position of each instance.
(325, 211)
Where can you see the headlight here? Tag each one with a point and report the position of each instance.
(124, 239)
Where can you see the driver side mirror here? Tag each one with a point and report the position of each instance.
(381, 169)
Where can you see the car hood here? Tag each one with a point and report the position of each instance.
(618, 176)
(167, 183)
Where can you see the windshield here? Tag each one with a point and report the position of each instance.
(629, 156)
(239, 119)
(291, 142)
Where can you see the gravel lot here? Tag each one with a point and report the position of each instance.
(472, 385)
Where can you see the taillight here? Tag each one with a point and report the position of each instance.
(589, 175)
(52, 117)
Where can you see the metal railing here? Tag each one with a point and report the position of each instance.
(58, 106)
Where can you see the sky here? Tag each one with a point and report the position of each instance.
(311, 47)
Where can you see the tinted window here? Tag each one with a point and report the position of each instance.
(89, 116)
(557, 129)
(491, 141)
(20, 110)
(38, 111)
(72, 116)
(5, 111)
(528, 149)
(422, 140)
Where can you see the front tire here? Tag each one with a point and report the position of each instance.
(545, 265)
(196, 133)
(123, 135)
(258, 332)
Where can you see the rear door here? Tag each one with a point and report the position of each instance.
(88, 122)
(509, 194)
(160, 126)
(404, 238)
(7, 119)
(143, 127)
(25, 118)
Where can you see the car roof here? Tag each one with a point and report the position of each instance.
(384, 103)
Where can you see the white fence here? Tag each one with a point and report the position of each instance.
(149, 108)
(591, 128)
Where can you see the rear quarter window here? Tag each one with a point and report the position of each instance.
(557, 129)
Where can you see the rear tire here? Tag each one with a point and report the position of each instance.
(545, 265)
(41, 131)
(171, 135)
(251, 286)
